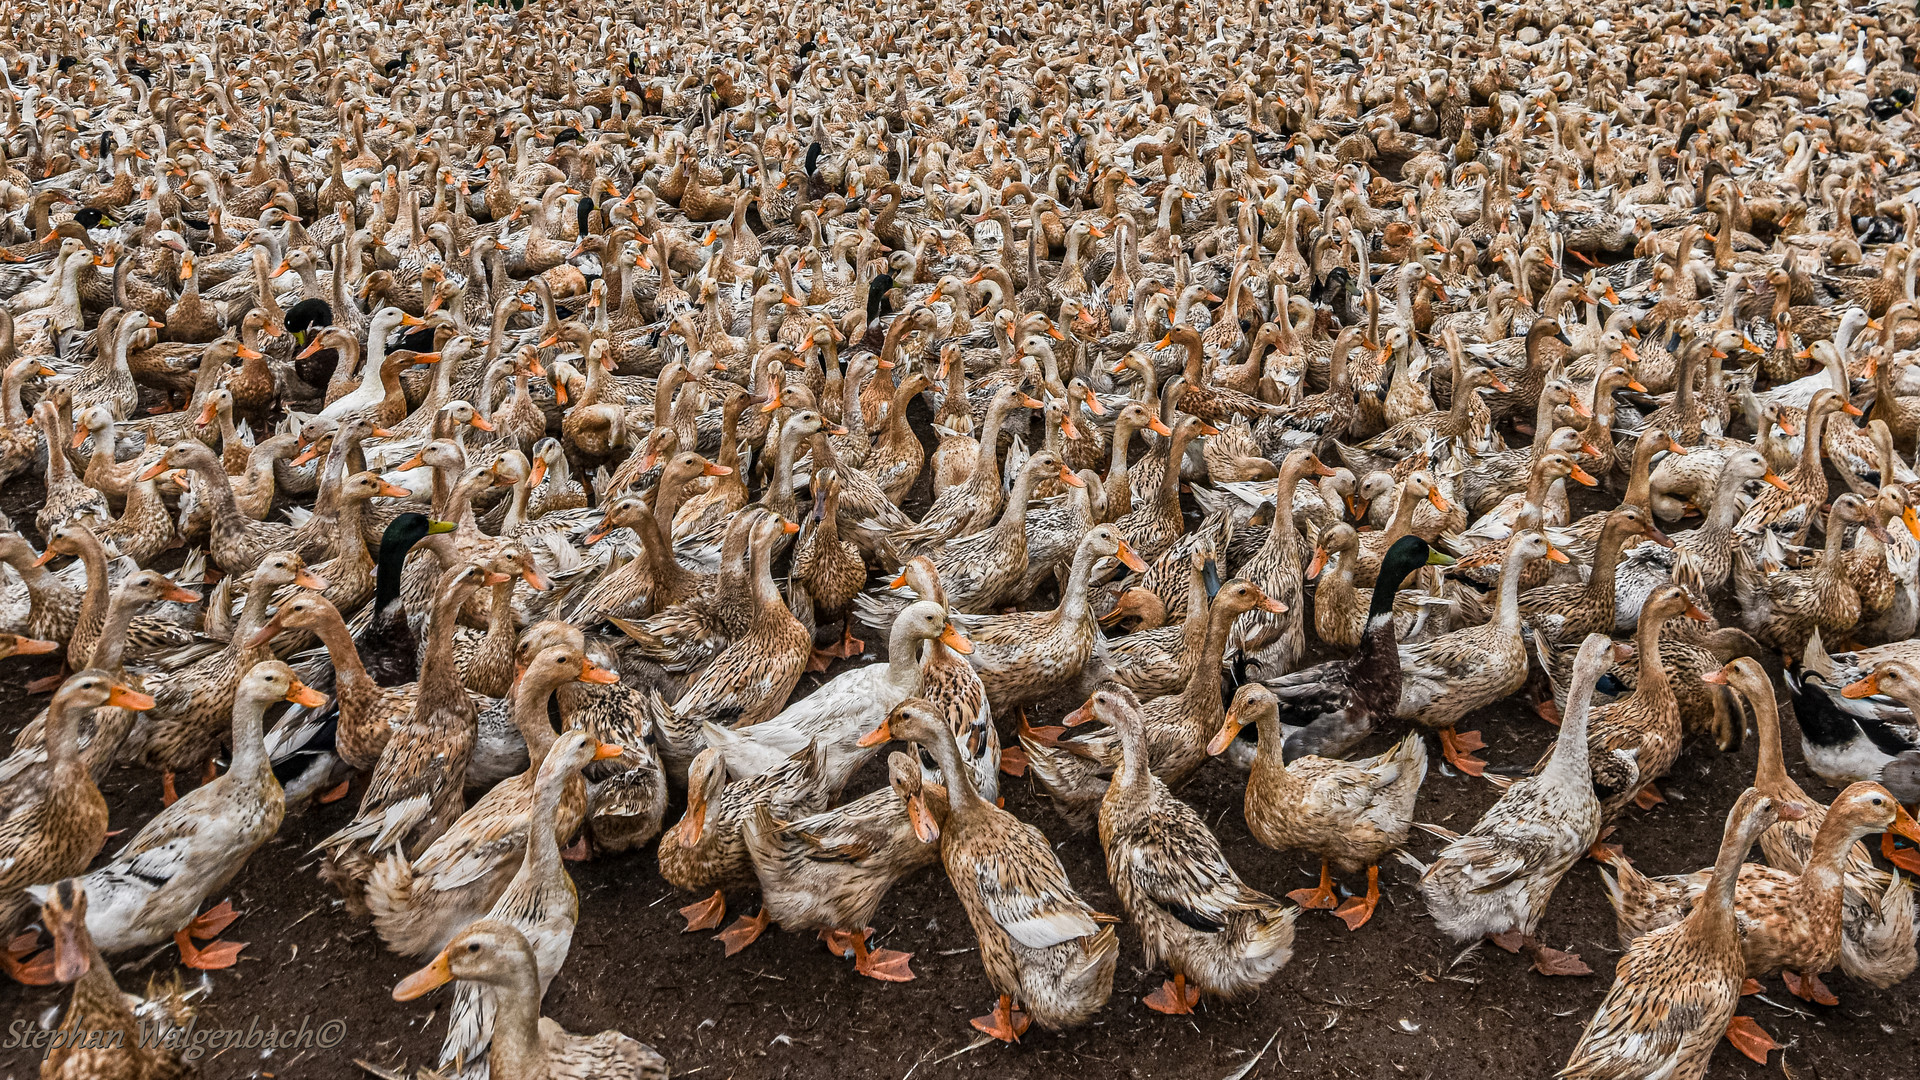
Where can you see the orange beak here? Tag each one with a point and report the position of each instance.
(1130, 559)
(533, 579)
(594, 673)
(1554, 554)
(1159, 427)
(1229, 730)
(301, 694)
(426, 980)
(481, 422)
(881, 734)
(1775, 480)
(1582, 476)
(308, 580)
(1865, 688)
(1438, 500)
(953, 639)
(121, 697)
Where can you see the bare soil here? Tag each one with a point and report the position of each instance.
(1392, 999)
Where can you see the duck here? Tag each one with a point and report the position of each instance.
(1647, 722)
(540, 902)
(164, 1015)
(1495, 880)
(1048, 955)
(1351, 813)
(1177, 727)
(154, 886)
(706, 848)
(419, 904)
(1448, 678)
(56, 826)
(1220, 936)
(415, 792)
(524, 1043)
(1792, 919)
(1783, 609)
(845, 707)
(830, 871)
(1329, 707)
(1675, 992)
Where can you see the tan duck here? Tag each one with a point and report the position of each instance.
(1046, 953)
(1790, 923)
(1177, 727)
(238, 542)
(1562, 614)
(1784, 608)
(1272, 642)
(152, 889)
(751, 678)
(1675, 992)
(706, 848)
(1218, 935)
(193, 705)
(1448, 679)
(540, 902)
(1646, 723)
(829, 871)
(980, 571)
(56, 826)
(418, 905)
(415, 793)
(524, 1043)
(141, 1038)
(828, 570)
(1350, 813)
(1494, 881)
(1024, 655)
(1158, 657)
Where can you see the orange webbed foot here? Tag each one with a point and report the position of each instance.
(886, 965)
(35, 972)
(1174, 998)
(1013, 760)
(1320, 897)
(1649, 797)
(1458, 747)
(745, 931)
(1006, 1022)
(218, 955)
(579, 850)
(1808, 988)
(1748, 1037)
(210, 923)
(705, 914)
(333, 795)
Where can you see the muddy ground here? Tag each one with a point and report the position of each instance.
(1393, 999)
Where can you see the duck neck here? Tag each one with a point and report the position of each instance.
(94, 602)
(349, 674)
(1013, 520)
(530, 717)
(1506, 615)
(109, 650)
(517, 1049)
(1646, 639)
(249, 763)
(1713, 915)
(1809, 466)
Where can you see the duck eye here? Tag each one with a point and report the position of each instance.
(473, 946)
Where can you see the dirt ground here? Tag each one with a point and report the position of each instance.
(1392, 999)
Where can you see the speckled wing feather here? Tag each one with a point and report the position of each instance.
(1040, 911)
(1174, 859)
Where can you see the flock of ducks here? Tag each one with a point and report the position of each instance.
(466, 367)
